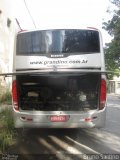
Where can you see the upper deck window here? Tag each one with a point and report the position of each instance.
(71, 41)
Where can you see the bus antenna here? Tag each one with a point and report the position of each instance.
(18, 24)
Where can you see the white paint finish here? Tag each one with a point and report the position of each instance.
(73, 61)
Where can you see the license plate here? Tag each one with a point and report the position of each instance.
(59, 118)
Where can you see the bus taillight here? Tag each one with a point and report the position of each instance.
(14, 95)
(102, 94)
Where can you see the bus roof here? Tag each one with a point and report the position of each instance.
(57, 28)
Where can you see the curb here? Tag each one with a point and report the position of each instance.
(5, 106)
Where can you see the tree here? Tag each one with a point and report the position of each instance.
(112, 49)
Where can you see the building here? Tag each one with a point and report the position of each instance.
(114, 85)
(7, 32)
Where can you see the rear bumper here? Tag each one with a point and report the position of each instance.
(34, 119)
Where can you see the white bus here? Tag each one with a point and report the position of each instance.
(60, 79)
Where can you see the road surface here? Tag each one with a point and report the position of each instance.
(73, 144)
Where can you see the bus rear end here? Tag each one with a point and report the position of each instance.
(63, 86)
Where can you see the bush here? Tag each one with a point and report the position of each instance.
(6, 98)
(6, 129)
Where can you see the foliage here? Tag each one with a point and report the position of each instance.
(112, 50)
(6, 98)
(6, 129)
(116, 2)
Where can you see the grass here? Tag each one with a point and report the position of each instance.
(6, 129)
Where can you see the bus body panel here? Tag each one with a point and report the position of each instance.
(72, 61)
(77, 119)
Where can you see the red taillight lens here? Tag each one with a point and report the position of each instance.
(102, 94)
(14, 95)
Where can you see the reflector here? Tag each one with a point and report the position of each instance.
(14, 95)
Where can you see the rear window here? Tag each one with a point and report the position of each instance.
(70, 41)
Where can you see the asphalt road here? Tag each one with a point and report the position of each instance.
(73, 144)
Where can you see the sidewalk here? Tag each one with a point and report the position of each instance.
(113, 94)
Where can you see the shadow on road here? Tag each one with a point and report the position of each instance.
(60, 143)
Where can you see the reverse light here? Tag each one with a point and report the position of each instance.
(14, 95)
(102, 94)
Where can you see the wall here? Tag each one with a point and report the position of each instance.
(7, 32)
